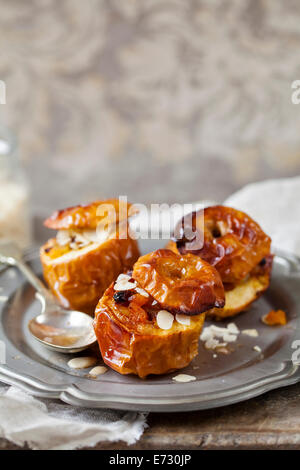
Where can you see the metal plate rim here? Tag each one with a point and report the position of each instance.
(72, 394)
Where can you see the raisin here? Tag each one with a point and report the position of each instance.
(216, 233)
(122, 296)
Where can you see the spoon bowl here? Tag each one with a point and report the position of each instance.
(65, 331)
(57, 328)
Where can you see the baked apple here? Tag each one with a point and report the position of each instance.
(137, 336)
(180, 283)
(85, 256)
(237, 247)
(240, 296)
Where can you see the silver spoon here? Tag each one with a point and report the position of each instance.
(59, 329)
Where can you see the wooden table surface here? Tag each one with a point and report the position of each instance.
(271, 421)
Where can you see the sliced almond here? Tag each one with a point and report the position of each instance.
(206, 334)
(95, 236)
(183, 319)
(183, 378)
(164, 319)
(63, 237)
(218, 331)
(123, 277)
(252, 332)
(82, 362)
(124, 286)
(76, 239)
(98, 370)
(141, 291)
(212, 335)
(80, 239)
(229, 338)
(211, 343)
(232, 328)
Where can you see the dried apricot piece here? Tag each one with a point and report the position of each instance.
(275, 317)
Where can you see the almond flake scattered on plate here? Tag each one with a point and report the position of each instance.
(98, 370)
(213, 343)
(216, 337)
(232, 328)
(82, 362)
(252, 332)
(183, 378)
(229, 338)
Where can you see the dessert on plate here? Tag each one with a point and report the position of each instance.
(182, 284)
(236, 246)
(91, 248)
(149, 321)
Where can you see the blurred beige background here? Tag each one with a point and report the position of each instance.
(165, 101)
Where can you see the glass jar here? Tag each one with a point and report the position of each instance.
(14, 194)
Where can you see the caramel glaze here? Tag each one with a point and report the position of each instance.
(130, 340)
(233, 242)
(261, 269)
(180, 283)
(86, 216)
(79, 282)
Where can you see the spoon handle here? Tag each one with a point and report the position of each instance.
(11, 255)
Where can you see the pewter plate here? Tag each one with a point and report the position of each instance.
(221, 380)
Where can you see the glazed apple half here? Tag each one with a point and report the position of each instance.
(138, 322)
(136, 336)
(237, 247)
(82, 259)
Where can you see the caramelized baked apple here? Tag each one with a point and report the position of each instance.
(180, 283)
(88, 217)
(238, 248)
(82, 260)
(239, 297)
(136, 336)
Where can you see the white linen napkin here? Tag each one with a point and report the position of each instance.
(48, 424)
(275, 205)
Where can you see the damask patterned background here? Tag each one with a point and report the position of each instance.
(162, 100)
